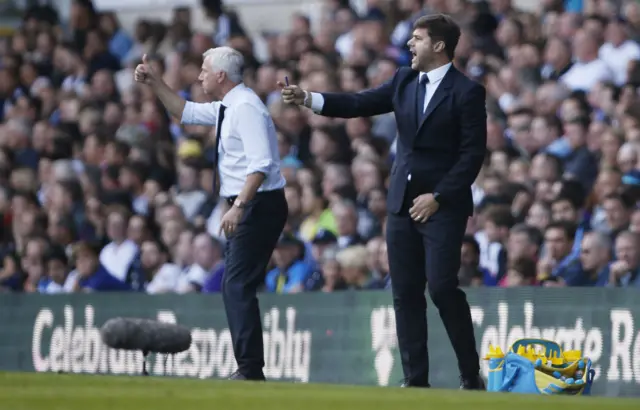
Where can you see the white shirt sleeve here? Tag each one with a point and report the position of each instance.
(196, 275)
(252, 126)
(317, 102)
(165, 280)
(200, 113)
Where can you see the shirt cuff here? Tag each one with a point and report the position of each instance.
(317, 102)
(187, 113)
(262, 166)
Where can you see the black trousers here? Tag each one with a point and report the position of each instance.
(427, 255)
(247, 254)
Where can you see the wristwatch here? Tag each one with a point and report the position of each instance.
(239, 203)
(436, 196)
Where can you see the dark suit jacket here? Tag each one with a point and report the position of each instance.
(445, 152)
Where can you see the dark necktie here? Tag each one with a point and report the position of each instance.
(216, 154)
(422, 94)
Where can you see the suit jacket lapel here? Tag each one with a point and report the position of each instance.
(410, 97)
(441, 93)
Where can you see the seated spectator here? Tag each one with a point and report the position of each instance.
(118, 255)
(346, 215)
(56, 271)
(492, 240)
(11, 277)
(354, 271)
(318, 215)
(90, 275)
(625, 271)
(617, 209)
(557, 260)
(205, 270)
(521, 272)
(323, 240)
(595, 254)
(291, 271)
(470, 273)
(161, 276)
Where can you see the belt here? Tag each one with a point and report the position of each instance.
(231, 199)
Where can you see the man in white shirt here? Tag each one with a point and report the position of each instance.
(588, 69)
(162, 276)
(619, 50)
(118, 255)
(250, 180)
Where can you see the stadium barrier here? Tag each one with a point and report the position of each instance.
(345, 337)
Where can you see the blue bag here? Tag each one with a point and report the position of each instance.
(539, 366)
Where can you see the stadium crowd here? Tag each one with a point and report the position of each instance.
(101, 191)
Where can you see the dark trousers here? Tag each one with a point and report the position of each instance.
(428, 255)
(247, 254)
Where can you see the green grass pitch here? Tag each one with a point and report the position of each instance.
(47, 391)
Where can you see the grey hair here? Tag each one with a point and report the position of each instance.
(226, 59)
(602, 240)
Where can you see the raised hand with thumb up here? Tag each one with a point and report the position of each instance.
(292, 94)
(144, 73)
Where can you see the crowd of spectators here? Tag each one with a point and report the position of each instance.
(101, 191)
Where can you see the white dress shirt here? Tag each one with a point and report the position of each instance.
(248, 139)
(617, 58)
(165, 280)
(195, 275)
(583, 76)
(435, 78)
(118, 258)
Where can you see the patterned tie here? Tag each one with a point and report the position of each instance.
(216, 154)
(422, 94)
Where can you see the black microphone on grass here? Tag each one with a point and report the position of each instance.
(148, 336)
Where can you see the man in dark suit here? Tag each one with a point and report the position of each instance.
(441, 119)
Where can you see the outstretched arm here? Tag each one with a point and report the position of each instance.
(171, 101)
(145, 74)
(366, 103)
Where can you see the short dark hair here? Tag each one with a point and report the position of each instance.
(501, 216)
(624, 198)
(471, 241)
(533, 234)
(441, 27)
(572, 191)
(569, 228)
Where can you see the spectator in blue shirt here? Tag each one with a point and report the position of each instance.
(558, 261)
(567, 207)
(323, 240)
(92, 276)
(595, 254)
(119, 41)
(11, 277)
(625, 271)
(617, 210)
(291, 271)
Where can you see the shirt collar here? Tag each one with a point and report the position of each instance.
(437, 74)
(230, 97)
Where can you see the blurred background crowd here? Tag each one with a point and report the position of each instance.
(101, 191)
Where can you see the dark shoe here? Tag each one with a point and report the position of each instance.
(239, 376)
(473, 383)
(407, 384)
